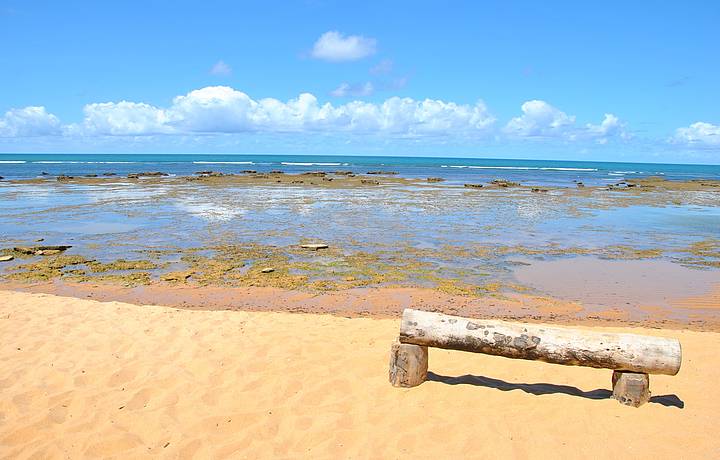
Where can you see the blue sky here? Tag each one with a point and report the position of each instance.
(569, 80)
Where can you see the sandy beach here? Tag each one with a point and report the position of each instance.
(88, 379)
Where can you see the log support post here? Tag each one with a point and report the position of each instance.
(631, 388)
(408, 364)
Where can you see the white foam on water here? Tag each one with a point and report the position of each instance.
(12, 161)
(84, 162)
(520, 168)
(289, 163)
(223, 162)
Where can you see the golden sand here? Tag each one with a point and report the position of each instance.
(85, 379)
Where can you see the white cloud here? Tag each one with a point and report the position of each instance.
(699, 133)
(335, 47)
(29, 122)
(611, 126)
(221, 109)
(346, 89)
(213, 109)
(220, 68)
(122, 119)
(540, 119)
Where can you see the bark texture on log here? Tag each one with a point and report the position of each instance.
(630, 388)
(408, 365)
(574, 347)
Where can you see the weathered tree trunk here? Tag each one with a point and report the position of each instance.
(408, 365)
(630, 388)
(575, 347)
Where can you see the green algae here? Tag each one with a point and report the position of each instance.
(121, 265)
(45, 269)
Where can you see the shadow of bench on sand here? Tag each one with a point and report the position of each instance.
(543, 388)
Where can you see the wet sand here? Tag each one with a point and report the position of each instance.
(655, 304)
(631, 285)
(81, 378)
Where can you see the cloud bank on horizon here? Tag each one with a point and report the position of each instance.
(223, 110)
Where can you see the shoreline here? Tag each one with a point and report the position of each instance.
(388, 302)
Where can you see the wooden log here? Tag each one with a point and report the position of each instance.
(574, 347)
(408, 365)
(631, 388)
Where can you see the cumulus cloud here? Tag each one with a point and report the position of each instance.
(121, 119)
(542, 120)
(347, 89)
(611, 126)
(220, 68)
(699, 133)
(221, 109)
(335, 47)
(29, 122)
(539, 119)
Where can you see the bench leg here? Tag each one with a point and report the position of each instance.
(631, 388)
(408, 364)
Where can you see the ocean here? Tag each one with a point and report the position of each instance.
(529, 172)
(416, 233)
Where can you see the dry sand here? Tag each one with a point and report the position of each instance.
(80, 378)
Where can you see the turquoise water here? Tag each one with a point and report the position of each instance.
(124, 219)
(530, 172)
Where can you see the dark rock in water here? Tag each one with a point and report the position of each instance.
(90, 175)
(277, 171)
(328, 179)
(44, 173)
(1, 178)
(580, 185)
(314, 173)
(210, 173)
(41, 250)
(63, 177)
(504, 183)
(146, 174)
(369, 181)
(537, 190)
(473, 185)
(343, 173)
(109, 174)
(384, 173)
(249, 171)
(435, 179)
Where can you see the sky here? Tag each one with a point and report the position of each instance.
(604, 81)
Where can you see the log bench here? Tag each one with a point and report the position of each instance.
(631, 357)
